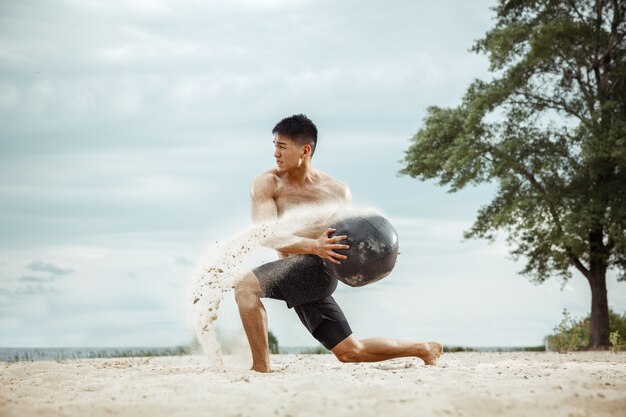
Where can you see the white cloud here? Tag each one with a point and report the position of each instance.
(42, 266)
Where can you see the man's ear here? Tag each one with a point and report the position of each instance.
(307, 150)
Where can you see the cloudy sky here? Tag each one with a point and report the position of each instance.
(130, 131)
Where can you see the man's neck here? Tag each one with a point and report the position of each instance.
(301, 175)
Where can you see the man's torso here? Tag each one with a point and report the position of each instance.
(324, 191)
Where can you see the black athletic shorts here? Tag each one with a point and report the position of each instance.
(306, 286)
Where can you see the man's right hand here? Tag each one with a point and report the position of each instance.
(325, 246)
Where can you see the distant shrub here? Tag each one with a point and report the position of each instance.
(568, 334)
(273, 343)
(573, 334)
(541, 348)
(319, 350)
(617, 323)
(617, 343)
(454, 349)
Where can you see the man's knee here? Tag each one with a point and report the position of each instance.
(351, 355)
(247, 290)
(348, 350)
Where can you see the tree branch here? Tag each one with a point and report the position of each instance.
(578, 13)
(579, 265)
(555, 104)
(587, 89)
(551, 209)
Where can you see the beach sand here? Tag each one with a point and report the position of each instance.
(464, 384)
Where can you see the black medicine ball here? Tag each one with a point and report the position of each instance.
(373, 249)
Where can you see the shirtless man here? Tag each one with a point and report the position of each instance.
(299, 276)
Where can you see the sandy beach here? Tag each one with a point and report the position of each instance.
(464, 384)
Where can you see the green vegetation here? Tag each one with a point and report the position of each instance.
(568, 335)
(318, 350)
(273, 343)
(59, 355)
(454, 349)
(574, 334)
(541, 348)
(549, 130)
(173, 351)
(617, 343)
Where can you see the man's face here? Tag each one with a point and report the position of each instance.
(288, 154)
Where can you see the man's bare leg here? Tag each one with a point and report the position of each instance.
(379, 349)
(254, 318)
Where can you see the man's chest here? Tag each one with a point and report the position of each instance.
(288, 197)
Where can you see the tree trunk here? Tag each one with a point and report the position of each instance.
(599, 337)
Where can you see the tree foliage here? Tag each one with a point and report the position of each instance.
(550, 130)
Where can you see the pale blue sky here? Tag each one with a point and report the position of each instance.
(130, 130)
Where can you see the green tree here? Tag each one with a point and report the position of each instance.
(550, 130)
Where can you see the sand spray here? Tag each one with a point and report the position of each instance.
(220, 268)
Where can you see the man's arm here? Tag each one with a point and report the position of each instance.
(264, 211)
(262, 194)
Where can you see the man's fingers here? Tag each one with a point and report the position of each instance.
(337, 246)
(337, 255)
(338, 238)
(340, 246)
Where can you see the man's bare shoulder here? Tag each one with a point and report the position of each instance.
(264, 183)
(340, 188)
(329, 180)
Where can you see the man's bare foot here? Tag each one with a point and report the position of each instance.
(433, 352)
(261, 368)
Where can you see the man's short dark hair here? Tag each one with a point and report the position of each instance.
(299, 128)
